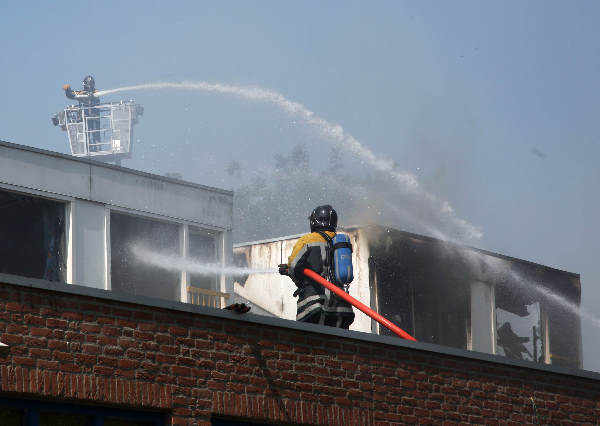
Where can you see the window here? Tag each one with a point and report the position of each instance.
(20, 412)
(53, 418)
(129, 273)
(519, 326)
(203, 288)
(202, 249)
(421, 289)
(33, 236)
(11, 416)
(215, 421)
(518, 331)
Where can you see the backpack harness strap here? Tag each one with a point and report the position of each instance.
(343, 244)
(329, 274)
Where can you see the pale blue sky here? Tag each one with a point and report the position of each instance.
(459, 93)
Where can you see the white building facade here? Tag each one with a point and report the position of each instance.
(78, 221)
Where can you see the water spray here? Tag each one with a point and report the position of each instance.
(330, 131)
(179, 264)
(495, 266)
(550, 295)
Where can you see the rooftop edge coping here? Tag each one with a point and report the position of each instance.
(98, 163)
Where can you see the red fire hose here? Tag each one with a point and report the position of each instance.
(359, 305)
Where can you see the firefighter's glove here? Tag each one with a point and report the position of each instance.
(283, 269)
(66, 87)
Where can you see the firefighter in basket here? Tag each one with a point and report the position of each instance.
(87, 100)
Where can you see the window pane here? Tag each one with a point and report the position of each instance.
(518, 322)
(131, 274)
(64, 419)
(234, 422)
(202, 249)
(422, 289)
(113, 421)
(33, 236)
(11, 417)
(519, 337)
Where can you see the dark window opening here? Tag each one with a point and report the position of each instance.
(421, 290)
(32, 242)
(129, 272)
(564, 325)
(114, 421)
(25, 412)
(49, 418)
(222, 421)
(11, 417)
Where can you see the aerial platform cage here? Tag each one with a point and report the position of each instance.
(104, 130)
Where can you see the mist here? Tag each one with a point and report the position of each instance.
(363, 186)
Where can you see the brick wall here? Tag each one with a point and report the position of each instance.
(197, 363)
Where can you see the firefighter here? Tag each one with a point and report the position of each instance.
(86, 96)
(87, 100)
(317, 304)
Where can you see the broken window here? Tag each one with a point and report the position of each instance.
(32, 232)
(519, 332)
(130, 273)
(518, 335)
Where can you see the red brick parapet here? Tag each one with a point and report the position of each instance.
(71, 344)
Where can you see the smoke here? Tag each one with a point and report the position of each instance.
(436, 213)
(179, 264)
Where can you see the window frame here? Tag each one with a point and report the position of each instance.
(184, 239)
(56, 198)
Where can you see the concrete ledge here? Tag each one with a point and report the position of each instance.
(112, 166)
(79, 290)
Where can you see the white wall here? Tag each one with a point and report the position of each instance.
(274, 293)
(88, 250)
(483, 318)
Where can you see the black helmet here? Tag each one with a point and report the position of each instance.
(89, 84)
(323, 218)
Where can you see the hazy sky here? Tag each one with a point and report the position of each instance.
(493, 105)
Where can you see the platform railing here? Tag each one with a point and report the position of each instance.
(205, 297)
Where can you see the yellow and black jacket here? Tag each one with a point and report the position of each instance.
(316, 304)
(84, 97)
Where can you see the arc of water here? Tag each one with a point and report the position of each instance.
(328, 130)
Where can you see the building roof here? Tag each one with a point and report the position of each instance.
(53, 174)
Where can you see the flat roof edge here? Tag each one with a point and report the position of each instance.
(112, 166)
(420, 236)
(79, 290)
